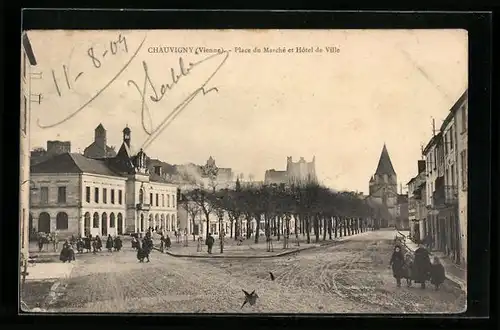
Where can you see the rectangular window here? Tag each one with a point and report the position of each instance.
(112, 196)
(104, 195)
(151, 199)
(452, 175)
(162, 200)
(157, 200)
(446, 143)
(168, 200)
(120, 197)
(44, 195)
(24, 119)
(87, 194)
(434, 165)
(61, 194)
(173, 201)
(96, 195)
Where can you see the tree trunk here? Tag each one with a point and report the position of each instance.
(280, 225)
(317, 226)
(308, 228)
(249, 222)
(336, 226)
(207, 216)
(231, 222)
(257, 228)
(344, 225)
(236, 228)
(330, 219)
(193, 222)
(296, 225)
(349, 226)
(324, 227)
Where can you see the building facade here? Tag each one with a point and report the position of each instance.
(296, 172)
(99, 148)
(446, 157)
(54, 148)
(383, 188)
(461, 121)
(27, 62)
(417, 203)
(77, 195)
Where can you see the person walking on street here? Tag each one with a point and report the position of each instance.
(437, 273)
(422, 266)
(109, 243)
(397, 263)
(210, 243)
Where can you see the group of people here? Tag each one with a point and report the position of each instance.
(94, 244)
(418, 269)
(45, 239)
(144, 249)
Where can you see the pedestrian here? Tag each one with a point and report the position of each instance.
(210, 243)
(421, 266)
(88, 243)
(109, 243)
(40, 242)
(117, 243)
(437, 273)
(168, 242)
(98, 243)
(397, 263)
(162, 243)
(199, 245)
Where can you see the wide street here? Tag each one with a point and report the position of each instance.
(350, 277)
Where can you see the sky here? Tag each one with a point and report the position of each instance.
(257, 108)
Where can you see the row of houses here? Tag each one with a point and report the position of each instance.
(438, 193)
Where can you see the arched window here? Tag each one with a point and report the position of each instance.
(169, 228)
(62, 221)
(120, 224)
(141, 196)
(112, 220)
(150, 222)
(95, 222)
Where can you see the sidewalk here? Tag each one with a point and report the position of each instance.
(49, 271)
(248, 249)
(453, 272)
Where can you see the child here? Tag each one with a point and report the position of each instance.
(397, 262)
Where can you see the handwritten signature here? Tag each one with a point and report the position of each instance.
(164, 88)
(97, 62)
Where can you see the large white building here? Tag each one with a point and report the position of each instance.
(27, 61)
(77, 195)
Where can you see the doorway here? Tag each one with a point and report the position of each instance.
(104, 224)
(44, 223)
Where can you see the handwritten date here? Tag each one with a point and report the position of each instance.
(115, 46)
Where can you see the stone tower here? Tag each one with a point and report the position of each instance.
(384, 186)
(100, 139)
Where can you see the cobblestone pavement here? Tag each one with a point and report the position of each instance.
(350, 277)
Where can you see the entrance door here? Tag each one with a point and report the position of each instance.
(104, 224)
(44, 223)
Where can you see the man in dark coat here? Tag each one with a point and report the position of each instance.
(109, 243)
(210, 243)
(437, 273)
(421, 266)
(397, 263)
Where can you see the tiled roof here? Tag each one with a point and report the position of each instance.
(385, 164)
(73, 163)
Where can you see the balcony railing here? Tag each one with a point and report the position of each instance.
(445, 196)
(143, 207)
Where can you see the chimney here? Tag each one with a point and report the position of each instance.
(157, 170)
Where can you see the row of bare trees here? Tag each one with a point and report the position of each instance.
(316, 209)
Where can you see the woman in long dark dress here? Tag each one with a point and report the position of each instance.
(437, 273)
(118, 243)
(397, 263)
(88, 243)
(421, 266)
(98, 243)
(109, 243)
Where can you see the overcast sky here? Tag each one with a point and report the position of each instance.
(382, 86)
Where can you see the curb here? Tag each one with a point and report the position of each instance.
(282, 254)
